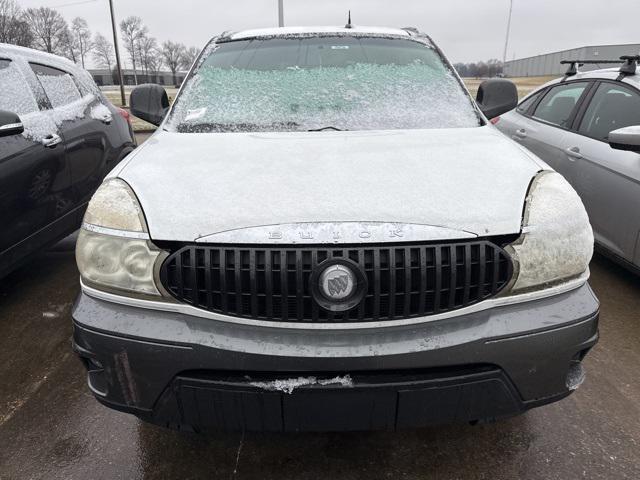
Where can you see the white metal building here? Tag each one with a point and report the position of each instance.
(107, 77)
(549, 64)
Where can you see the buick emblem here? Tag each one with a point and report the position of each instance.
(337, 282)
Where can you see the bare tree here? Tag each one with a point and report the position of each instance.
(68, 45)
(9, 13)
(133, 30)
(82, 35)
(103, 52)
(49, 29)
(148, 55)
(481, 69)
(13, 29)
(173, 54)
(22, 34)
(189, 56)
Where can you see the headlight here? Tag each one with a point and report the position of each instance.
(113, 251)
(557, 240)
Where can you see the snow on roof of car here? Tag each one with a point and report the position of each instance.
(288, 31)
(37, 56)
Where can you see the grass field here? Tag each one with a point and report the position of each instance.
(525, 85)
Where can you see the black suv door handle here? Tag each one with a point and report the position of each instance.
(51, 141)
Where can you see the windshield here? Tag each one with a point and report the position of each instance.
(321, 83)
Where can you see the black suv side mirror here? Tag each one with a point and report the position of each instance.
(149, 102)
(497, 96)
(10, 124)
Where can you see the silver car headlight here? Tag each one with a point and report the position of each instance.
(556, 244)
(113, 251)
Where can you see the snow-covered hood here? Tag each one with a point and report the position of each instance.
(450, 183)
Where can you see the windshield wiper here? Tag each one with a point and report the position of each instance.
(330, 127)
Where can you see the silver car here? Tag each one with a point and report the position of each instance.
(326, 233)
(587, 127)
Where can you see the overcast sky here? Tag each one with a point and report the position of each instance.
(467, 30)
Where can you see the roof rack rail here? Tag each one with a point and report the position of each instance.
(627, 68)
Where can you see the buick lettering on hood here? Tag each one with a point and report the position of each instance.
(326, 233)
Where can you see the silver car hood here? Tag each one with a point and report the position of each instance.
(330, 186)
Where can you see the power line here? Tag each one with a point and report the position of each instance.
(73, 3)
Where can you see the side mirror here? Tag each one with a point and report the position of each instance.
(497, 96)
(10, 124)
(150, 103)
(627, 138)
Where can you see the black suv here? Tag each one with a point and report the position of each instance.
(59, 137)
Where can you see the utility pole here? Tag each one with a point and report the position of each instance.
(506, 41)
(115, 45)
(281, 13)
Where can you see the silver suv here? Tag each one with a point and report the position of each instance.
(326, 233)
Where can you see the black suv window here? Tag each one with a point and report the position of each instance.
(15, 94)
(558, 104)
(612, 107)
(58, 85)
(528, 103)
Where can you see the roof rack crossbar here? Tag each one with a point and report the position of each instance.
(590, 62)
(629, 66)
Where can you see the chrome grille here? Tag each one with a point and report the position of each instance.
(272, 282)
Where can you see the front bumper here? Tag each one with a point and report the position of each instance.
(195, 373)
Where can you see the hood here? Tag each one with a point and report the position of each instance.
(439, 182)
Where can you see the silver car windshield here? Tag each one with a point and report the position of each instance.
(321, 83)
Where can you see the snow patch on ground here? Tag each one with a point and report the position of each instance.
(55, 311)
(289, 385)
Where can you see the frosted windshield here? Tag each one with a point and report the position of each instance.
(341, 83)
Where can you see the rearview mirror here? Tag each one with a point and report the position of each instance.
(627, 138)
(497, 96)
(10, 124)
(150, 103)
